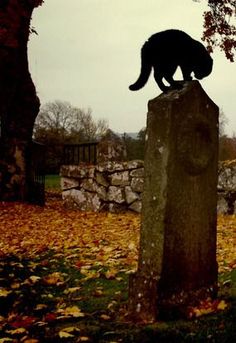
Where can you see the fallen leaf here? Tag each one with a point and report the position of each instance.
(111, 274)
(64, 334)
(222, 305)
(206, 307)
(53, 279)
(18, 331)
(105, 317)
(15, 285)
(72, 290)
(34, 278)
(84, 339)
(90, 274)
(71, 329)
(4, 293)
(111, 305)
(97, 293)
(73, 311)
(50, 317)
(23, 322)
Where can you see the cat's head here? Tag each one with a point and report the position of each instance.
(203, 63)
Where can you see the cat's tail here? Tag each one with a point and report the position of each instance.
(146, 68)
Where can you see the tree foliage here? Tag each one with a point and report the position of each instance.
(66, 123)
(60, 123)
(227, 148)
(135, 146)
(219, 31)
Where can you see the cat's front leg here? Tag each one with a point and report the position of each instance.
(173, 84)
(186, 72)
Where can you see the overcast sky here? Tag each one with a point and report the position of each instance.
(87, 52)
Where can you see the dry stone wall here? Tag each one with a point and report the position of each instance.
(112, 186)
(118, 186)
(227, 188)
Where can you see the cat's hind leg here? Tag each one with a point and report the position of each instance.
(158, 78)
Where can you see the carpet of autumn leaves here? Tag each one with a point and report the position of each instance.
(28, 230)
(59, 265)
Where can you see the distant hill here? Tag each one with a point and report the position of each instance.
(133, 135)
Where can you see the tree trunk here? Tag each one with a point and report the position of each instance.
(19, 104)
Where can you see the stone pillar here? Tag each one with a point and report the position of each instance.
(111, 148)
(177, 261)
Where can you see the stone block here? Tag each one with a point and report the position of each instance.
(116, 208)
(101, 179)
(137, 184)
(134, 164)
(77, 171)
(120, 178)
(130, 196)
(91, 186)
(136, 206)
(137, 173)
(82, 200)
(69, 183)
(110, 166)
(116, 194)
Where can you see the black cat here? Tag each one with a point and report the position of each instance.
(165, 51)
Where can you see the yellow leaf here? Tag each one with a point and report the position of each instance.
(4, 293)
(204, 311)
(98, 293)
(53, 279)
(63, 334)
(90, 274)
(34, 278)
(71, 290)
(107, 249)
(15, 285)
(5, 340)
(71, 329)
(222, 305)
(18, 331)
(111, 274)
(132, 246)
(73, 311)
(111, 305)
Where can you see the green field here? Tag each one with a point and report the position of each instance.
(52, 182)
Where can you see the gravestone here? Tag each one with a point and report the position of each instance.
(177, 260)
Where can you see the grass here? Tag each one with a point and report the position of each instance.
(30, 299)
(99, 297)
(52, 182)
